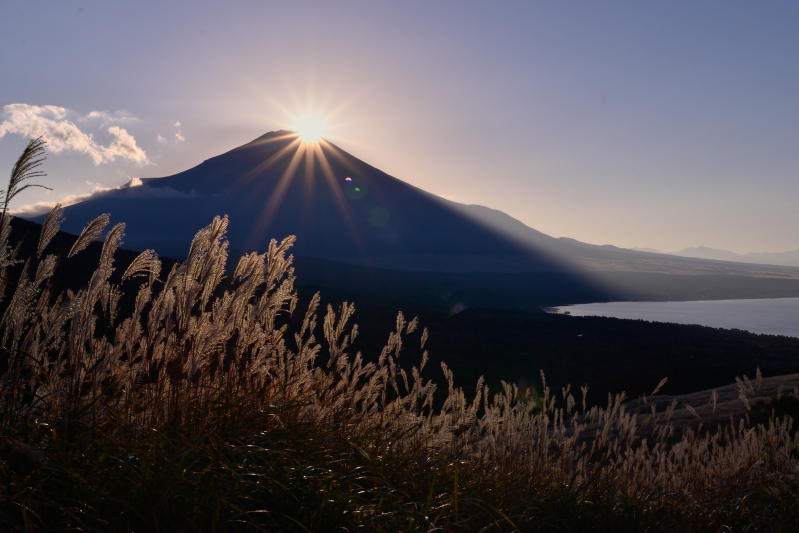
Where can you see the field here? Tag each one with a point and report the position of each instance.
(178, 399)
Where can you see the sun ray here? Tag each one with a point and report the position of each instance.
(309, 127)
(295, 144)
(343, 206)
(275, 199)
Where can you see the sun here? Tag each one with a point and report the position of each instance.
(310, 129)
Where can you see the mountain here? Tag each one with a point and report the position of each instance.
(648, 250)
(790, 259)
(346, 212)
(339, 207)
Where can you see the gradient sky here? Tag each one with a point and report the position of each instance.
(659, 124)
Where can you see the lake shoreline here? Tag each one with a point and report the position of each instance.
(764, 316)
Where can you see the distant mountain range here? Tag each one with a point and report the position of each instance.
(355, 223)
(790, 259)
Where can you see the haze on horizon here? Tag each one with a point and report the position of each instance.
(659, 125)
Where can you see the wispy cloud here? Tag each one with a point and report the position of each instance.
(179, 135)
(106, 117)
(40, 208)
(62, 134)
(133, 189)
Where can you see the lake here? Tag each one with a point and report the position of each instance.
(775, 316)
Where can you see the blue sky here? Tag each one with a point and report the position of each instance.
(660, 124)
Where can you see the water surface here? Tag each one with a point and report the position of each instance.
(774, 316)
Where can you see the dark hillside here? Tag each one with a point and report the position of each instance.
(73, 273)
(610, 355)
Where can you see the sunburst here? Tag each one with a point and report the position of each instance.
(306, 147)
(311, 128)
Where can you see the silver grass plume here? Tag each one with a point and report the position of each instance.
(90, 233)
(50, 227)
(7, 256)
(145, 264)
(45, 269)
(112, 242)
(25, 168)
(660, 386)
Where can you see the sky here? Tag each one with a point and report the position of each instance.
(650, 124)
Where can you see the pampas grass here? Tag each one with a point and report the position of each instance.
(200, 409)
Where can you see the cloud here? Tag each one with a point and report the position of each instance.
(61, 134)
(107, 118)
(179, 135)
(132, 189)
(124, 146)
(40, 208)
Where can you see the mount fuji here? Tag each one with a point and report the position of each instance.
(348, 213)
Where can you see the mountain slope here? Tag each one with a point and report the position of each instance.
(342, 209)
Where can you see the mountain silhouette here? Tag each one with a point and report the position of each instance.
(338, 206)
(344, 210)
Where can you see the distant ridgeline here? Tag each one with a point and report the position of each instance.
(360, 229)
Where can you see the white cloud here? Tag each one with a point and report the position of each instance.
(61, 134)
(179, 135)
(135, 182)
(93, 115)
(106, 117)
(124, 146)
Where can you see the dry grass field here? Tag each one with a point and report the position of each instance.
(200, 409)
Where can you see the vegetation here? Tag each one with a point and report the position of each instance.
(203, 407)
(609, 354)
